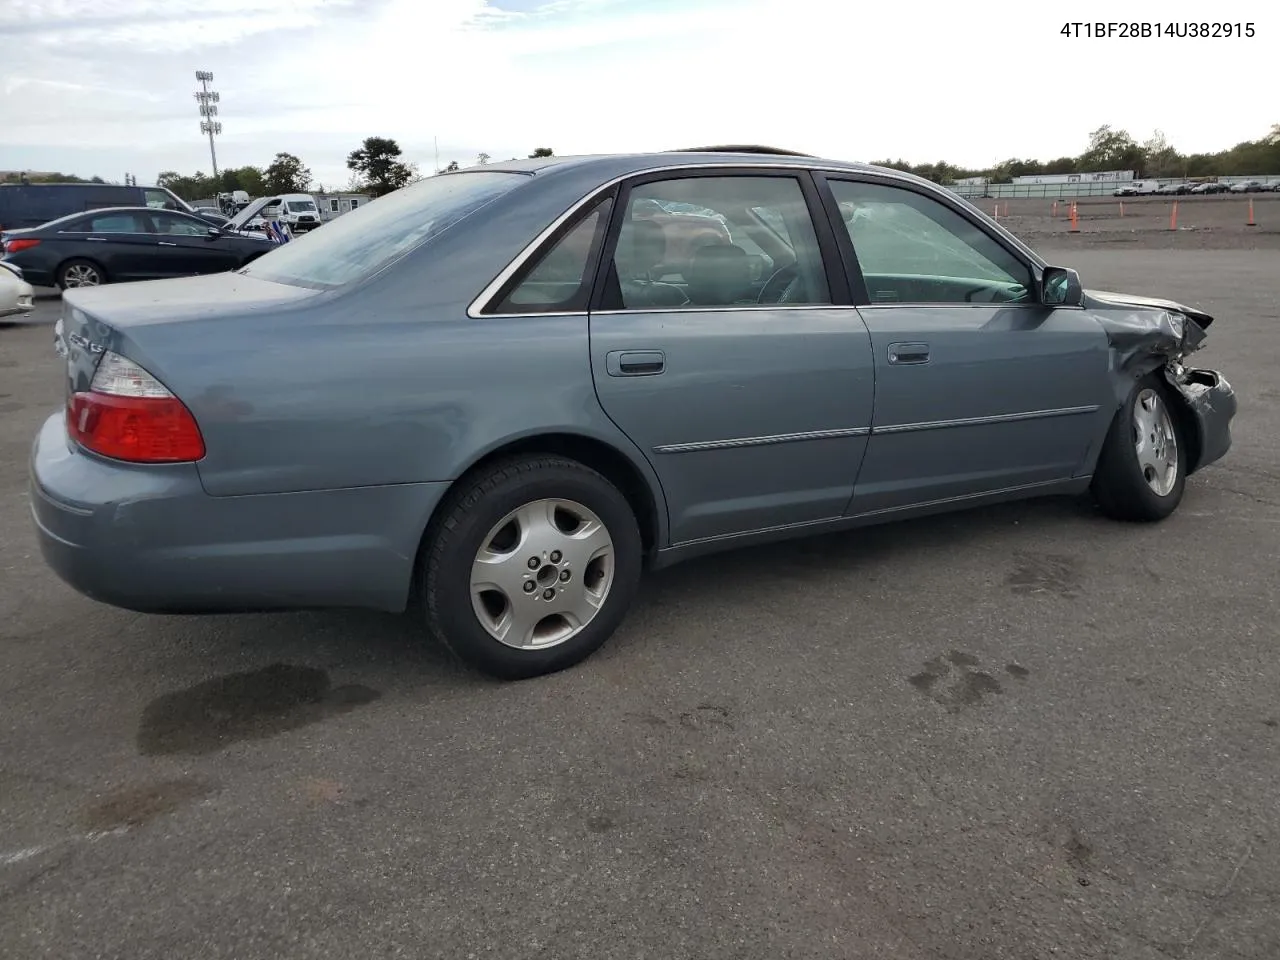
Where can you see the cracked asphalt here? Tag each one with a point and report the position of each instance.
(1022, 732)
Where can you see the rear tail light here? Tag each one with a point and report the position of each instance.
(127, 414)
(23, 243)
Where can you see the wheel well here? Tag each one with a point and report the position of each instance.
(596, 454)
(599, 456)
(1189, 425)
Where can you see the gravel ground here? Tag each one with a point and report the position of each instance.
(1147, 223)
(1022, 732)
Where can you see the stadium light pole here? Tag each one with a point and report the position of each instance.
(208, 101)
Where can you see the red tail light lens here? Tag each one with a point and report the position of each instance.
(23, 243)
(127, 414)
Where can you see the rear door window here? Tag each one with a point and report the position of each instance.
(708, 258)
(110, 223)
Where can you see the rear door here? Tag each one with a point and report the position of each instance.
(751, 396)
(121, 242)
(184, 246)
(979, 387)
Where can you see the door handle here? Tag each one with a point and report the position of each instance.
(165, 243)
(634, 363)
(908, 353)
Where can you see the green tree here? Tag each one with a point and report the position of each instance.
(252, 180)
(195, 186)
(286, 174)
(1110, 150)
(541, 152)
(1159, 158)
(378, 166)
(482, 158)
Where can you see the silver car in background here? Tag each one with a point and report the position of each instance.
(16, 295)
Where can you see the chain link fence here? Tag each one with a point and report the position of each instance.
(1001, 191)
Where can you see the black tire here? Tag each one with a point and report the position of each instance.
(466, 518)
(79, 264)
(1120, 483)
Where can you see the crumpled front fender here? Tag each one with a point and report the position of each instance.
(1147, 334)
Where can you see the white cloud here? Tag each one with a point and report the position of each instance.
(87, 78)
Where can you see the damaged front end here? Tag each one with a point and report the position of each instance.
(1147, 334)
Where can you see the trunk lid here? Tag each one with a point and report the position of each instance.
(142, 320)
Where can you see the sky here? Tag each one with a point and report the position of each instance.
(106, 87)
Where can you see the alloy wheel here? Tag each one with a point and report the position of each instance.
(542, 574)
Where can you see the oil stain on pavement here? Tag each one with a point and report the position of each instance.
(134, 806)
(244, 706)
(951, 680)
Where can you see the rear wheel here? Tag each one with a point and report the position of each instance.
(80, 273)
(531, 567)
(1141, 472)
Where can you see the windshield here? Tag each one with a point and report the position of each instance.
(301, 206)
(365, 240)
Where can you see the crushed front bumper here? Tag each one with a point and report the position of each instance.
(1210, 403)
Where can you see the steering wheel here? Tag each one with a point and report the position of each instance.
(774, 287)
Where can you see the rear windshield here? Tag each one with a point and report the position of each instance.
(358, 244)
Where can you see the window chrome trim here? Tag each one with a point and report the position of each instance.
(984, 421)
(703, 445)
(953, 305)
(735, 308)
(475, 309)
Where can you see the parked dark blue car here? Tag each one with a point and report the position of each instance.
(121, 244)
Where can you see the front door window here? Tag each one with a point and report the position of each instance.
(914, 249)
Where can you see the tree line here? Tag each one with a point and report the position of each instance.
(377, 166)
(1111, 149)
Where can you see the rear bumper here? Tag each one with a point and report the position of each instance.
(1211, 402)
(150, 539)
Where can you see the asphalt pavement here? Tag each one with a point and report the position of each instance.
(1021, 732)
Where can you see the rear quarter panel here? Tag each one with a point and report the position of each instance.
(327, 400)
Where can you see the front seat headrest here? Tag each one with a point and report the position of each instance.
(641, 247)
(719, 273)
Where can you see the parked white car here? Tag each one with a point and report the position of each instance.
(16, 294)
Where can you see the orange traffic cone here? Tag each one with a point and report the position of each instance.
(1055, 208)
(1075, 220)
(1122, 208)
(1251, 222)
(1173, 217)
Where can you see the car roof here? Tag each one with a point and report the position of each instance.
(708, 156)
(606, 167)
(98, 211)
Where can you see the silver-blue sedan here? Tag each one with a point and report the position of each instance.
(509, 390)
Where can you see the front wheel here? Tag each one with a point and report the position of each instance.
(1141, 472)
(531, 567)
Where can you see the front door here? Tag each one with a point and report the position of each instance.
(184, 247)
(722, 356)
(979, 387)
